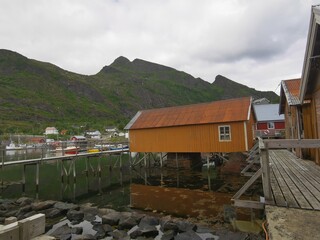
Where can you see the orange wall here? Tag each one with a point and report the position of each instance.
(192, 138)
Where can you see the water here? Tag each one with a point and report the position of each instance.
(201, 193)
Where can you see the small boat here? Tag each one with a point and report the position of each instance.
(13, 146)
(68, 150)
(93, 150)
(118, 147)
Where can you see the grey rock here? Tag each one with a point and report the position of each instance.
(101, 230)
(52, 212)
(24, 201)
(168, 225)
(184, 226)
(75, 216)
(39, 206)
(147, 231)
(149, 220)
(127, 223)
(168, 235)
(84, 237)
(62, 233)
(118, 234)
(66, 206)
(111, 218)
(77, 230)
(190, 235)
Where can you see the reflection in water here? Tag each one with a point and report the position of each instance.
(185, 192)
(179, 201)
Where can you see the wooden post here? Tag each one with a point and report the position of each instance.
(37, 177)
(161, 160)
(208, 163)
(74, 170)
(24, 179)
(266, 172)
(177, 163)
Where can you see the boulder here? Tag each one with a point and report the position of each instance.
(65, 207)
(189, 235)
(184, 226)
(127, 223)
(118, 234)
(23, 201)
(52, 212)
(168, 235)
(39, 206)
(111, 218)
(84, 237)
(147, 231)
(75, 216)
(149, 220)
(63, 233)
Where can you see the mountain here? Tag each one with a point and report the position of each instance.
(36, 94)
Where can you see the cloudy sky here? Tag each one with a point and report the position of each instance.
(254, 42)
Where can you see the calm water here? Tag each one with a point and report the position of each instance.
(199, 193)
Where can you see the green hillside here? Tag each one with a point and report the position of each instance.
(35, 94)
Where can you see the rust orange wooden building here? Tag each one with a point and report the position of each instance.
(220, 126)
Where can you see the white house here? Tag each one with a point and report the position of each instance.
(94, 134)
(51, 130)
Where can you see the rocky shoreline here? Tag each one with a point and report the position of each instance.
(71, 221)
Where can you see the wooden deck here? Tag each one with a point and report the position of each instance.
(295, 183)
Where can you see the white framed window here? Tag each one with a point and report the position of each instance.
(270, 125)
(224, 133)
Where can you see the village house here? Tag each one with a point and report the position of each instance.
(93, 134)
(269, 123)
(289, 106)
(220, 126)
(51, 130)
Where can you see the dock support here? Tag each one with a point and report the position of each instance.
(37, 177)
(266, 172)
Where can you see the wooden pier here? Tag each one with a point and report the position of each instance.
(295, 183)
(288, 181)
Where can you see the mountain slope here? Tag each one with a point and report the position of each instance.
(36, 94)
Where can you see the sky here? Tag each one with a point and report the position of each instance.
(257, 43)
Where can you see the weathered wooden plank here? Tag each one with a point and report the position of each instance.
(264, 161)
(277, 193)
(311, 173)
(290, 200)
(311, 194)
(289, 178)
(293, 143)
(248, 204)
(248, 184)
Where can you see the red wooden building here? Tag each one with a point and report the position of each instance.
(269, 124)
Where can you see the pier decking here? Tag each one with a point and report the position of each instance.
(295, 183)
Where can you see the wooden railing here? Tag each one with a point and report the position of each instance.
(264, 171)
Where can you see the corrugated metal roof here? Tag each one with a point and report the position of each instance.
(292, 90)
(230, 110)
(267, 112)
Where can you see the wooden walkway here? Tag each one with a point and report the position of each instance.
(295, 183)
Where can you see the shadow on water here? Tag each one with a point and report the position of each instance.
(201, 193)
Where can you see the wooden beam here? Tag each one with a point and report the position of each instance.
(248, 204)
(248, 184)
(292, 143)
(264, 161)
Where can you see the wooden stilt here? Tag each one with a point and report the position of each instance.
(24, 179)
(177, 163)
(37, 177)
(161, 160)
(74, 169)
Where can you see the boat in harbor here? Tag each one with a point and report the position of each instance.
(13, 146)
(68, 150)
